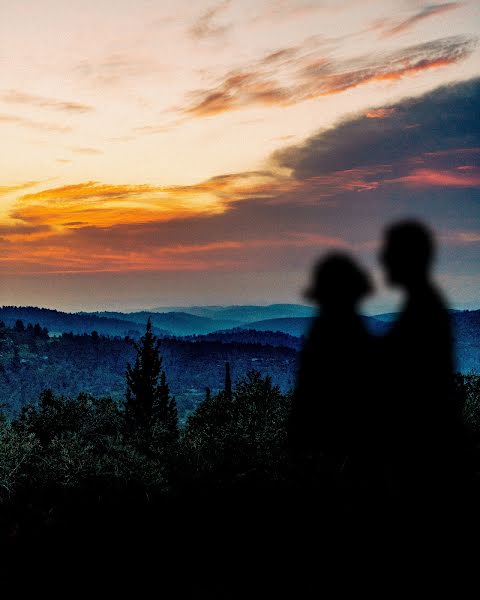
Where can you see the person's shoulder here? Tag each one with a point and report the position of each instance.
(437, 301)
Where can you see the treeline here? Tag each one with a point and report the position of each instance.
(70, 364)
(124, 476)
(57, 321)
(102, 443)
(63, 454)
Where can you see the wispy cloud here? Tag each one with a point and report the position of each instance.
(117, 68)
(289, 76)
(87, 151)
(9, 189)
(7, 119)
(459, 178)
(17, 97)
(207, 26)
(431, 10)
(283, 10)
(379, 113)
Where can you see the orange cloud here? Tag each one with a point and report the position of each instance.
(380, 113)
(444, 178)
(288, 76)
(72, 256)
(104, 205)
(9, 189)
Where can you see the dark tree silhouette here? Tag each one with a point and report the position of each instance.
(228, 382)
(148, 397)
(164, 410)
(19, 326)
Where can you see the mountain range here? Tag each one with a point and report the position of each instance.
(276, 325)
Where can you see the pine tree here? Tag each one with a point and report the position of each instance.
(228, 382)
(148, 398)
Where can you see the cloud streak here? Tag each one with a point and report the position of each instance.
(17, 97)
(290, 76)
(206, 26)
(7, 119)
(9, 189)
(431, 10)
(87, 151)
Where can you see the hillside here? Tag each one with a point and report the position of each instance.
(70, 364)
(175, 323)
(299, 326)
(58, 322)
(244, 313)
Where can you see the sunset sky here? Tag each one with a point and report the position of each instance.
(198, 152)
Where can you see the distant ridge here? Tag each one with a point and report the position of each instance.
(465, 325)
(58, 322)
(175, 322)
(244, 313)
(299, 326)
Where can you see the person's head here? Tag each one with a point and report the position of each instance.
(408, 253)
(338, 283)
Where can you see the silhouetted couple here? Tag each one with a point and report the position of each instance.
(380, 411)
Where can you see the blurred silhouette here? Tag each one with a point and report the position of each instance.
(332, 402)
(423, 421)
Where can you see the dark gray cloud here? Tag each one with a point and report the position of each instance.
(442, 120)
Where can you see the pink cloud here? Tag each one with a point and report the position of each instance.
(440, 178)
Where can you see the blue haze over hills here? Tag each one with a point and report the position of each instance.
(275, 325)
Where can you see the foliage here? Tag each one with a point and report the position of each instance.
(18, 460)
(70, 364)
(240, 436)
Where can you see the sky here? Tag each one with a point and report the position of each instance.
(159, 153)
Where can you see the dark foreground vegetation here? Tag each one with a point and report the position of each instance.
(92, 488)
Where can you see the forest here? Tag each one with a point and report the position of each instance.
(31, 360)
(87, 475)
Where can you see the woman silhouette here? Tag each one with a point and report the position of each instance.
(332, 403)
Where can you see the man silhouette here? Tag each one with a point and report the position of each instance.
(422, 430)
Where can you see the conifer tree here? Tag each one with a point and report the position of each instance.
(148, 396)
